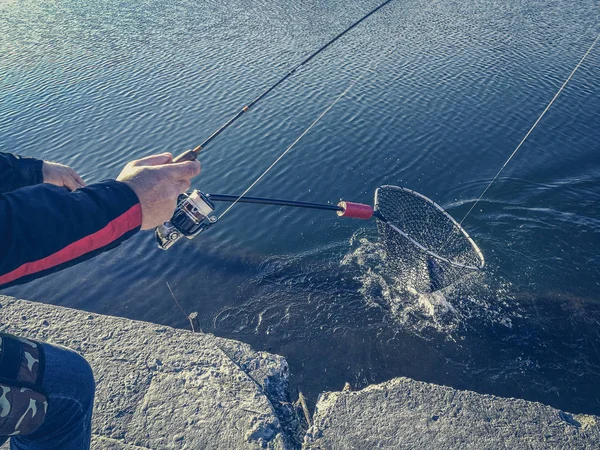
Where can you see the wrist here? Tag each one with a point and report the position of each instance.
(128, 196)
(32, 168)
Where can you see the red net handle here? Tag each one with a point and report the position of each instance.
(355, 210)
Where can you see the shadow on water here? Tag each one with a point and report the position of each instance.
(337, 319)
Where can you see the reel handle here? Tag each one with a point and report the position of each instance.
(188, 155)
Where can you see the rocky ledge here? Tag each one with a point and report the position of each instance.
(163, 388)
(407, 414)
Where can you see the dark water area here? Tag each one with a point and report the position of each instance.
(96, 84)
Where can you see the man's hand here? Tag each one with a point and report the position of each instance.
(157, 182)
(61, 175)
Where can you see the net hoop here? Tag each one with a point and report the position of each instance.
(421, 247)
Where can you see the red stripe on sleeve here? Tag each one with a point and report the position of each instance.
(116, 228)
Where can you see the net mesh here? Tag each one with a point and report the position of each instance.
(425, 247)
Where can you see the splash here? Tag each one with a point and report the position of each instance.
(449, 311)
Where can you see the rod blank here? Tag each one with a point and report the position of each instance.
(190, 155)
(274, 201)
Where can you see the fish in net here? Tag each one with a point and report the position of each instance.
(424, 245)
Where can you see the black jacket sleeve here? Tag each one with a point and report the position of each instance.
(19, 171)
(45, 228)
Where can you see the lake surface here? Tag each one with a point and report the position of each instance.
(456, 87)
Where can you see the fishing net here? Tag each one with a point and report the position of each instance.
(425, 247)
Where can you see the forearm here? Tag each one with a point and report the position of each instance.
(18, 171)
(45, 228)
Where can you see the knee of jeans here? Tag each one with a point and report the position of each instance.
(83, 376)
(68, 374)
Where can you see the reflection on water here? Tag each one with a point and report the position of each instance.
(95, 84)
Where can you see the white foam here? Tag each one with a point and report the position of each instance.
(445, 311)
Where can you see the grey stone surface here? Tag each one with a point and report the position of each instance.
(102, 443)
(162, 388)
(407, 414)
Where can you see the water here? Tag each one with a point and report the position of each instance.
(95, 85)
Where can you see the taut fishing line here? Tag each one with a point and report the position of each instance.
(532, 128)
(372, 66)
(518, 147)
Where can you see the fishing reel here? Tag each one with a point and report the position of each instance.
(191, 217)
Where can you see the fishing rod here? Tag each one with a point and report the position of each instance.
(190, 155)
(419, 236)
(194, 213)
(194, 210)
(393, 206)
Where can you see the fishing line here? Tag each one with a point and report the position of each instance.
(531, 129)
(176, 302)
(424, 245)
(372, 66)
(190, 155)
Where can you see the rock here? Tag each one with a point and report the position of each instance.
(407, 414)
(101, 443)
(163, 388)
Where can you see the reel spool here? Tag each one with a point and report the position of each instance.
(192, 216)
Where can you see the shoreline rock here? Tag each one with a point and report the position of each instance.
(162, 388)
(407, 414)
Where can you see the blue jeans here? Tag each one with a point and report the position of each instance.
(69, 386)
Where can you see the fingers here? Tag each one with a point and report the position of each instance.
(77, 178)
(70, 183)
(74, 176)
(153, 160)
(178, 171)
(183, 186)
(185, 170)
(70, 179)
(61, 175)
